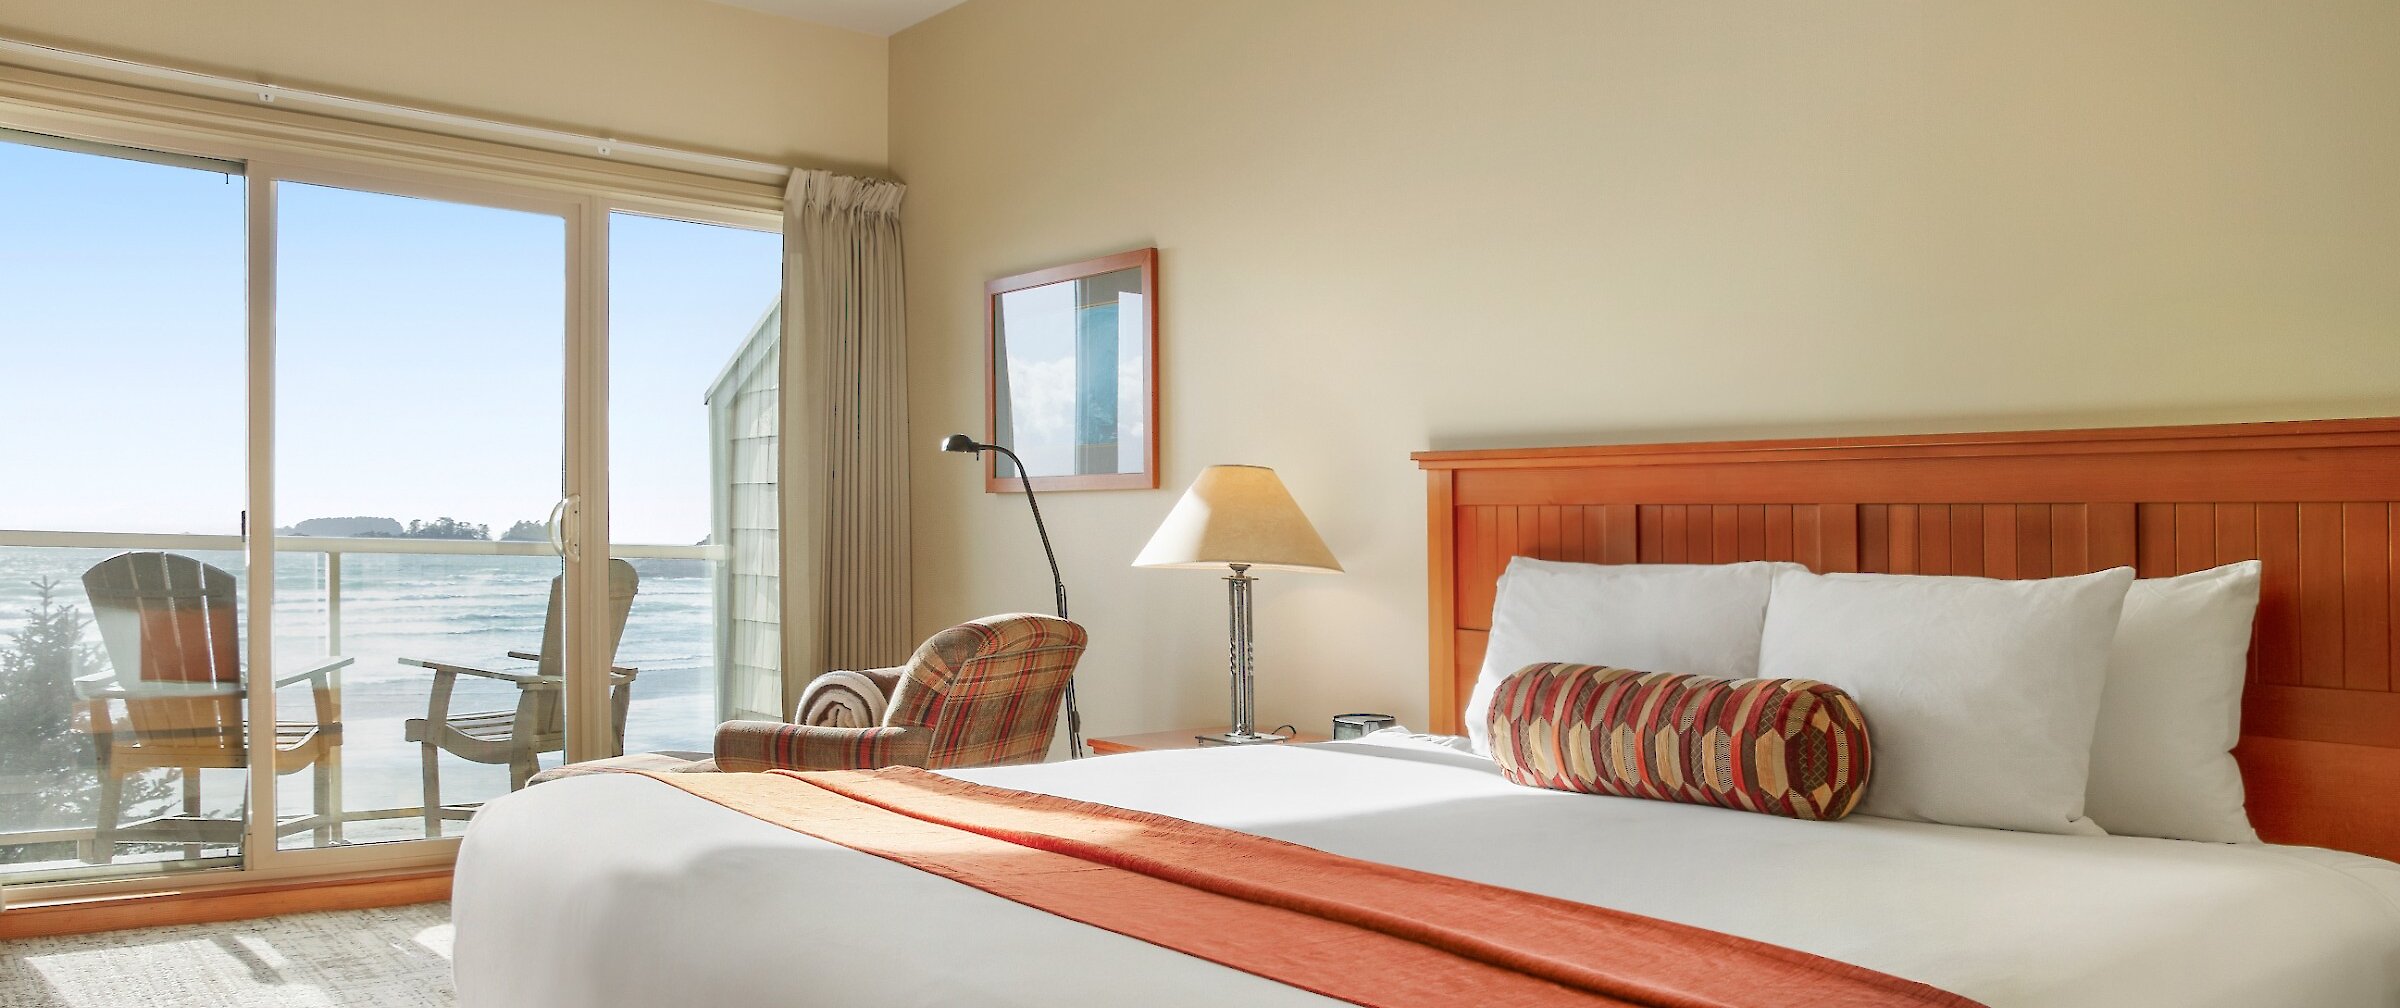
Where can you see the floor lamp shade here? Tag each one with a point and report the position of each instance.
(1239, 517)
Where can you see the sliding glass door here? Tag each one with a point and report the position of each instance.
(509, 454)
(122, 742)
(419, 418)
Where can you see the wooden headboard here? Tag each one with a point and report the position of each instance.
(2317, 501)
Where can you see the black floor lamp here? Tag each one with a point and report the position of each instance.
(967, 445)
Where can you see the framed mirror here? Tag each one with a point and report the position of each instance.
(1071, 375)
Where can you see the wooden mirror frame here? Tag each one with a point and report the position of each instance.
(1145, 259)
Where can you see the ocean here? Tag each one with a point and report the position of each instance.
(462, 609)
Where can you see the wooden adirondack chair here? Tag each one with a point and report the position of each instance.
(175, 700)
(516, 738)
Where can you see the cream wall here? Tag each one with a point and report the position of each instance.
(1388, 225)
(680, 72)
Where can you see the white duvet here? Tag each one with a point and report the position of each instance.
(617, 891)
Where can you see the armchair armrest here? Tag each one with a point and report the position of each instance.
(752, 746)
(439, 667)
(319, 669)
(323, 674)
(98, 686)
(104, 685)
(616, 671)
(105, 688)
(93, 714)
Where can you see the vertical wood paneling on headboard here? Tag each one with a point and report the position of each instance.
(1621, 540)
(2115, 535)
(1933, 539)
(1995, 540)
(2070, 540)
(1450, 577)
(1837, 528)
(1808, 537)
(1875, 538)
(2366, 597)
(2321, 595)
(1966, 540)
(2033, 540)
(2195, 537)
(2317, 502)
(2391, 621)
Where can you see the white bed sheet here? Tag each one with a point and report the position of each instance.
(618, 891)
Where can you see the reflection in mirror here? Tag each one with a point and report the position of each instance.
(1072, 383)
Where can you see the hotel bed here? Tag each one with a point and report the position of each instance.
(619, 890)
(688, 903)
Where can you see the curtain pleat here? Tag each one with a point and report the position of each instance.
(845, 465)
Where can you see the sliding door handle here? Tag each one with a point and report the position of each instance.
(566, 544)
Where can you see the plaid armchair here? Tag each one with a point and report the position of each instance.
(981, 693)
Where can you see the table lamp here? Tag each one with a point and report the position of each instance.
(1238, 516)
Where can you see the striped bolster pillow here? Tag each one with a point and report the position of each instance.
(1787, 747)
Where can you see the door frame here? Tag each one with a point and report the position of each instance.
(584, 433)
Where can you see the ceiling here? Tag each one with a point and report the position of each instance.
(875, 17)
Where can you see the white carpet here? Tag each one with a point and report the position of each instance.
(395, 957)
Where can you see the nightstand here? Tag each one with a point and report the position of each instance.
(1182, 738)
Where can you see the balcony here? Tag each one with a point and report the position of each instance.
(375, 601)
(319, 343)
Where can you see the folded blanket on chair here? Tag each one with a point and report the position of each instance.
(1367, 933)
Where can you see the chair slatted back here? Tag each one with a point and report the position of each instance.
(169, 625)
(989, 689)
(542, 713)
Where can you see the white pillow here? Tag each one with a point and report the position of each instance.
(1981, 695)
(1697, 619)
(2162, 763)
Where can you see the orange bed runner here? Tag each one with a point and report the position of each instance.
(1367, 933)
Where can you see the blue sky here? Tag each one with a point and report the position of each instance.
(420, 353)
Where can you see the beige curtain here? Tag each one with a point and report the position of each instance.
(845, 469)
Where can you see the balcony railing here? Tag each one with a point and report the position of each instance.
(677, 607)
(333, 548)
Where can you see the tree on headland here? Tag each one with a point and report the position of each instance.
(439, 528)
(447, 528)
(526, 531)
(360, 525)
(365, 527)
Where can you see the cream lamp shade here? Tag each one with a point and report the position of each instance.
(1238, 514)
